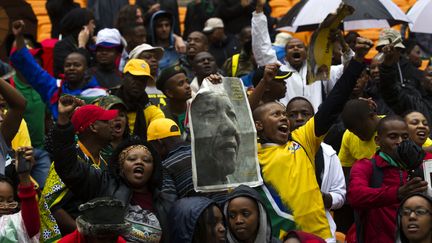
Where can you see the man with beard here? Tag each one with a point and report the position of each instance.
(173, 82)
(140, 111)
(93, 127)
(204, 64)
(196, 42)
(216, 134)
(295, 62)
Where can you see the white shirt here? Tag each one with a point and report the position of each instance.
(333, 182)
(297, 83)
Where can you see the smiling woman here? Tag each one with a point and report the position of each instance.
(415, 219)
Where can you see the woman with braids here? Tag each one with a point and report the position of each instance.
(133, 177)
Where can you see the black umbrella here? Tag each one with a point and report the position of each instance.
(308, 14)
(20, 9)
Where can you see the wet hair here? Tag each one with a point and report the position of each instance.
(73, 22)
(302, 99)
(114, 164)
(127, 17)
(381, 124)
(406, 113)
(78, 53)
(354, 112)
(206, 219)
(5, 179)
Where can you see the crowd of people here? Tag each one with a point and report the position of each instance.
(96, 147)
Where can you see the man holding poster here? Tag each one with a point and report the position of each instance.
(223, 137)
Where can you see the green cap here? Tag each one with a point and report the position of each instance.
(108, 102)
(167, 73)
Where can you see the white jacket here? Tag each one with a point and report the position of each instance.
(333, 182)
(296, 84)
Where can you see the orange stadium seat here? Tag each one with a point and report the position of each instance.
(182, 16)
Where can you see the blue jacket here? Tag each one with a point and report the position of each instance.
(43, 82)
(170, 54)
(184, 215)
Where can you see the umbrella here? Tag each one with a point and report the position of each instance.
(421, 16)
(20, 9)
(368, 14)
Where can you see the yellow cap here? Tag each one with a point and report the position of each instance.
(162, 128)
(137, 67)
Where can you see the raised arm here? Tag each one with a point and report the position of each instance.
(81, 178)
(17, 104)
(261, 44)
(333, 105)
(398, 98)
(24, 62)
(27, 193)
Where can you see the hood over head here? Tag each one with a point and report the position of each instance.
(185, 213)
(264, 229)
(152, 29)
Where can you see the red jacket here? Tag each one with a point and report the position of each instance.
(378, 206)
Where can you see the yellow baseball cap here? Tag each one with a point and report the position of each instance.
(137, 67)
(162, 128)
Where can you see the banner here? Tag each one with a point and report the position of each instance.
(320, 50)
(224, 141)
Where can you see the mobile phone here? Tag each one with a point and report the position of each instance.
(23, 164)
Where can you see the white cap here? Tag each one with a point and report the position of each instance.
(282, 38)
(146, 47)
(108, 38)
(213, 23)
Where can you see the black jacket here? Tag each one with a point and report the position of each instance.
(403, 98)
(86, 182)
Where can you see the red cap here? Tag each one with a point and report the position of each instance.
(86, 115)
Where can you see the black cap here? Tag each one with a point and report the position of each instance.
(259, 74)
(167, 73)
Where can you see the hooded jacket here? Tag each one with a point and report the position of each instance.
(170, 54)
(400, 236)
(184, 216)
(264, 234)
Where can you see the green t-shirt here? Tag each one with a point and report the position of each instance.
(34, 113)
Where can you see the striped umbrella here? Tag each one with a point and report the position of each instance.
(308, 14)
(421, 16)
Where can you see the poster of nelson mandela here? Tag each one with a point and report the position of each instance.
(224, 149)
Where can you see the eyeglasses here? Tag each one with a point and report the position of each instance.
(417, 211)
(8, 205)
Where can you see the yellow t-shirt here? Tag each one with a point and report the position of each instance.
(22, 138)
(151, 113)
(289, 169)
(353, 148)
(427, 143)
